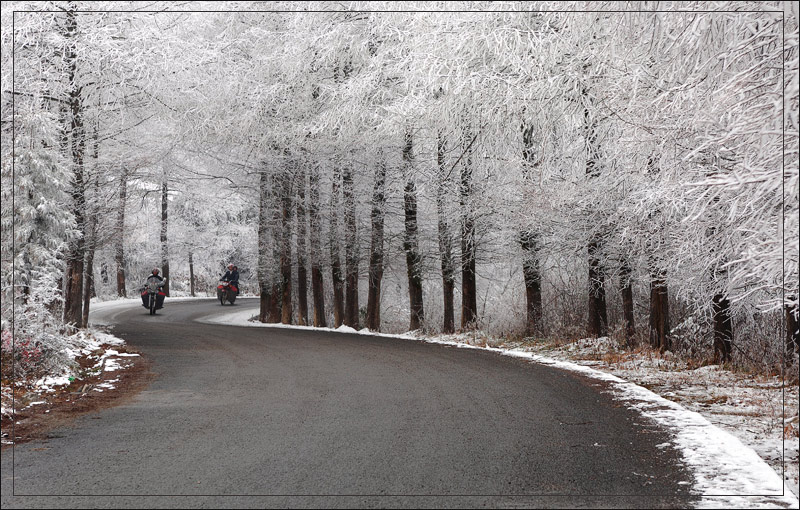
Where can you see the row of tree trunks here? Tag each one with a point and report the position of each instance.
(351, 311)
(277, 205)
(376, 247)
(411, 238)
(276, 300)
(445, 240)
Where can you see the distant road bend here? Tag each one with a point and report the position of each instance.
(286, 417)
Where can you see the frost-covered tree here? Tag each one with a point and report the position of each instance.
(558, 171)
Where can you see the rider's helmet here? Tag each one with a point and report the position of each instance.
(155, 271)
(231, 266)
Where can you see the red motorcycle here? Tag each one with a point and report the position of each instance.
(226, 291)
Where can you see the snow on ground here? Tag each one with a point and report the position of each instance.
(758, 410)
(712, 413)
(91, 345)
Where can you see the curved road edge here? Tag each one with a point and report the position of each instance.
(727, 472)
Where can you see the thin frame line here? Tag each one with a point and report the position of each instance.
(783, 185)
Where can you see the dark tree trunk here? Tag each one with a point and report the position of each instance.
(274, 305)
(336, 264)
(410, 239)
(263, 272)
(445, 239)
(351, 317)
(598, 317)
(88, 286)
(448, 262)
(659, 312)
(469, 293)
(723, 329)
(302, 278)
(191, 274)
(376, 247)
(286, 247)
(658, 321)
(627, 304)
(263, 243)
(73, 295)
(317, 283)
(263, 304)
(73, 310)
(164, 245)
(529, 242)
(448, 291)
(792, 328)
(119, 241)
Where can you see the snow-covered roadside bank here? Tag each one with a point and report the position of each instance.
(95, 362)
(727, 472)
(759, 410)
(98, 368)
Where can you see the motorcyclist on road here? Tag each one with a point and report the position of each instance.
(151, 278)
(232, 276)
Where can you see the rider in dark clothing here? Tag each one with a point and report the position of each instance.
(153, 276)
(232, 276)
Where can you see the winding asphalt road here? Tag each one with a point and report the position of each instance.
(246, 417)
